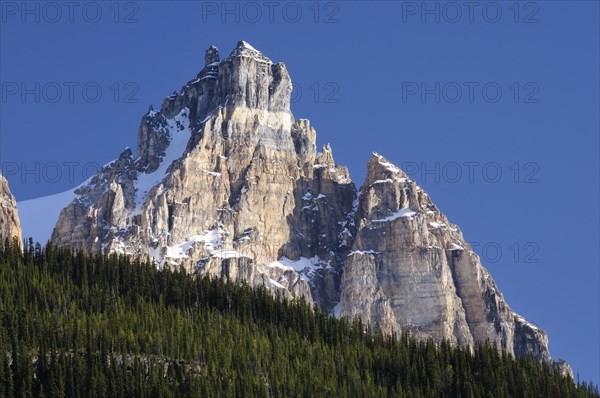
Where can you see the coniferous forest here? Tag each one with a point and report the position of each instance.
(73, 325)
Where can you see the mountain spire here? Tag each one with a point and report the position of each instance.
(227, 183)
(211, 55)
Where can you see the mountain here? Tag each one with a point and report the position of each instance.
(10, 226)
(225, 182)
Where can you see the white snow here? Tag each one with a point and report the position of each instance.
(435, 224)
(246, 50)
(455, 246)
(179, 139)
(382, 161)
(246, 45)
(279, 285)
(211, 238)
(212, 173)
(400, 213)
(39, 216)
(389, 180)
(227, 254)
(304, 266)
(337, 310)
(355, 203)
(386, 181)
(352, 253)
(523, 320)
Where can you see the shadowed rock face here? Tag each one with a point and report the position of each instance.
(226, 182)
(10, 226)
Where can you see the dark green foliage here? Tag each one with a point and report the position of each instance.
(75, 325)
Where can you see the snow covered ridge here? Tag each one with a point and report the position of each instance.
(455, 246)
(385, 163)
(211, 240)
(243, 49)
(39, 215)
(178, 131)
(305, 267)
(398, 214)
(363, 252)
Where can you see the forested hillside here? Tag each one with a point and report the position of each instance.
(104, 325)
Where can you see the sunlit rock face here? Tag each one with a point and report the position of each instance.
(225, 181)
(10, 227)
(410, 269)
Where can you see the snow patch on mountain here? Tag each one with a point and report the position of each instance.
(304, 266)
(39, 215)
(178, 130)
(398, 214)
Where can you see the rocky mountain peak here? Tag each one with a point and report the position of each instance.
(227, 183)
(211, 56)
(379, 168)
(388, 192)
(244, 49)
(10, 226)
(325, 157)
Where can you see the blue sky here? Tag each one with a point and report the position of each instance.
(493, 107)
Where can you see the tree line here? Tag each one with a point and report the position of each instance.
(74, 324)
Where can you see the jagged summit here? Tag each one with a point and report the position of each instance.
(211, 56)
(244, 49)
(228, 183)
(379, 168)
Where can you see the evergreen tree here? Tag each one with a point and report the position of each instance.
(104, 325)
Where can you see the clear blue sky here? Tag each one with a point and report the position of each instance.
(416, 82)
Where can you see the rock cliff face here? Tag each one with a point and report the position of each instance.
(410, 269)
(10, 226)
(226, 182)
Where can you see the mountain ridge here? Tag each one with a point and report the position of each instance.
(226, 182)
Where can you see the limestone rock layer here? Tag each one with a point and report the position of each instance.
(226, 182)
(10, 227)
